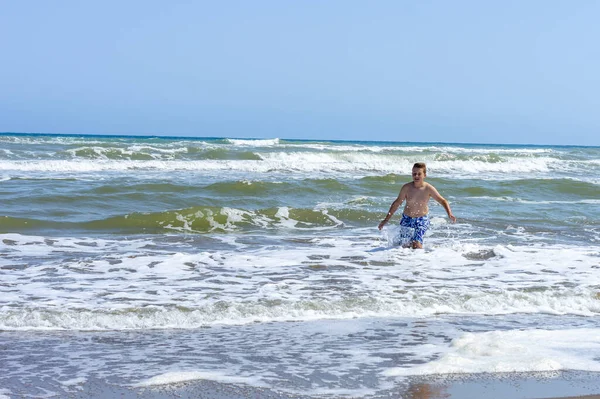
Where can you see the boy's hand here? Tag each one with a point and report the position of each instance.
(452, 217)
(382, 224)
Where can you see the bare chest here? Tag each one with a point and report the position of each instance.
(417, 195)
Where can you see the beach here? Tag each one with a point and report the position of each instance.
(161, 267)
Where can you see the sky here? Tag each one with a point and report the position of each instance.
(506, 72)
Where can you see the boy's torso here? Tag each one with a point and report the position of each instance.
(417, 200)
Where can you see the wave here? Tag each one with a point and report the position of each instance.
(538, 189)
(205, 219)
(112, 153)
(249, 187)
(150, 153)
(524, 201)
(157, 143)
(148, 188)
(299, 162)
(269, 188)
(417, 304)
(390, 178)
(218, 158)
(496, 352)
(530, 191)
(11, 224)
(223, 219)
(223, 154)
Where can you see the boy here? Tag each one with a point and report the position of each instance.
(417, 194)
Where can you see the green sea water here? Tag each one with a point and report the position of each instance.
(100, 184)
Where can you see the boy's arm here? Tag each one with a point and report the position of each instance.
(442, 201)
(394, 207)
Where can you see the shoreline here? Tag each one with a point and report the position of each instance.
(559, 385)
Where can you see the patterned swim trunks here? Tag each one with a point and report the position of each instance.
(418, 225)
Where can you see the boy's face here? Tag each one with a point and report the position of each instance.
(418, 174)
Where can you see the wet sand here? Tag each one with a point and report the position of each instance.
(566, 385)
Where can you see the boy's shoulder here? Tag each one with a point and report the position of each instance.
(407, 185)
(431, 189)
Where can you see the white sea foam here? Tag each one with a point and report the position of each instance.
(254, 142)
(512, 351)
(126, 153)
(302, 164)
(91, 284)
(74, 381)
(163, 150)
(235, 217)
(417, 149)
(283, 215)
(175, 377)
(278, 309)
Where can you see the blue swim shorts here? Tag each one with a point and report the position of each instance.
(419, 225)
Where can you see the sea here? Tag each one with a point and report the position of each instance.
(153, 262)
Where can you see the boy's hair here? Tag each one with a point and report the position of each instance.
(421, 165)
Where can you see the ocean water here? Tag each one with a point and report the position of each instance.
(146, 262)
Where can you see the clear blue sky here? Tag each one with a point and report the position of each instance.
(523, 72)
